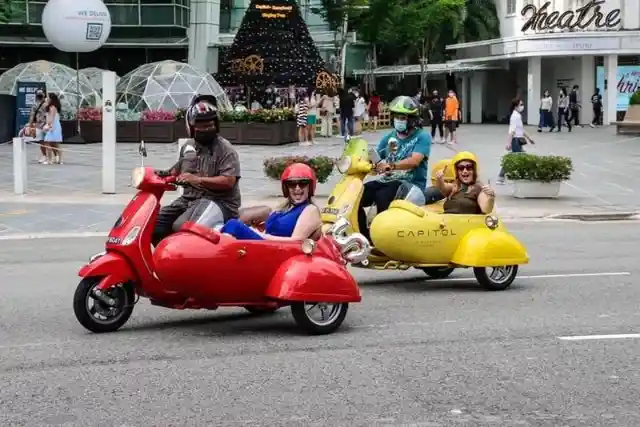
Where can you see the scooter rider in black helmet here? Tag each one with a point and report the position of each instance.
(212, 172)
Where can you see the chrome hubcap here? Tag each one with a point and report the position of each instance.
(103, 313)
(322, 314)
(500, 275)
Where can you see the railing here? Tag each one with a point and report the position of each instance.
(384, 121)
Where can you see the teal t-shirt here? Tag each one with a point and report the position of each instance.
(418, 141)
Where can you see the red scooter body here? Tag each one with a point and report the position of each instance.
(198, 267)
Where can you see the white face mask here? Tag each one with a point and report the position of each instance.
(520, 108)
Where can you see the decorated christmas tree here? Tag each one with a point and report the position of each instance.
(273, 47)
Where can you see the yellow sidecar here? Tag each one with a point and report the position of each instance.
(407, 235)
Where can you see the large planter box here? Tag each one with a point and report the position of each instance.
(91, 131)
(262, 134)
(536, 190)
(161, 131)
(69, 129)
(232, 131)
(180, 130)
(289, 132)
(128, 131)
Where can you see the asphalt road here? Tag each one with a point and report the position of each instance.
(414, 353)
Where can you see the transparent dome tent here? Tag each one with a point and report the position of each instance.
(167, 85)
(59, 79)
(94, 76)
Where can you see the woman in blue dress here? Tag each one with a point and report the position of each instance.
(53, 129)
(296, 219)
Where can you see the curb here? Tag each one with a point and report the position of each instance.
(613, 216)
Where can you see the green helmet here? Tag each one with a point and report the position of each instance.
(404, 105)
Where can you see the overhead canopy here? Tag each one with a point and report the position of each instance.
(414, 69)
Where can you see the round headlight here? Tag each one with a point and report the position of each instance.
(344, 164)
(137, 176)
(491, 221)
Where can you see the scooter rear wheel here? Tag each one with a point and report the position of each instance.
(498, 279)
(97, 316)
(331, 316)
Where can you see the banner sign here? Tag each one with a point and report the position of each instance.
(627, 82)
(25, 99)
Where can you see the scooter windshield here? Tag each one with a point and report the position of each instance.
(207, 214)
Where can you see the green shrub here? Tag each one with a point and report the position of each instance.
(322, 165)
(259, 116)
(635, 98)
(531, 167)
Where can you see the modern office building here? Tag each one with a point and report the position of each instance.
(146, 31)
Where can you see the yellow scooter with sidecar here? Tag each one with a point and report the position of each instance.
(414, 234)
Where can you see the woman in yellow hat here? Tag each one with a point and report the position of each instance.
(466, 195)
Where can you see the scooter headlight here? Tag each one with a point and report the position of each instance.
(344, 164)
(491, 221)
(137, 176)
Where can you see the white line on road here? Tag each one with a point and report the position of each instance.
(538, 276)
(599, 337)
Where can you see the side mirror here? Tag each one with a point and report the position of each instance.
(142, 150)
(374, 157)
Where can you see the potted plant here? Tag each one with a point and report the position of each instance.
(536, 177)
(179, 125)
(259, 127)
(90, 124)
(127, 124)
(157, 126)
(322, 165)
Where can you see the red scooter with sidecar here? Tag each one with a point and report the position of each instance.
(199, 268)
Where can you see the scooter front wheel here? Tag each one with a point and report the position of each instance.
(319, 318)
(94, 313)
(496, 278)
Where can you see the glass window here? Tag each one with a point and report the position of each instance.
(16, 12)
(160, 2)
(511, 7)
(123, 14)
(120, 1)
(35, 12)
(157, 15)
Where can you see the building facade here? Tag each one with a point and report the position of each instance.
(145, 31)
(549, 44)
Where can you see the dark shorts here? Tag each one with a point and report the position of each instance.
(451, 125)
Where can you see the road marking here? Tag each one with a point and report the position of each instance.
(599, 337)
(14, 213)
(530, 277)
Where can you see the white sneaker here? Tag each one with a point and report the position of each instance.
(305, 144)
(592, 125)
(42, 160)
(46, 162)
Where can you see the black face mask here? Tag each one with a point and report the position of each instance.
(205, 137)
(39, 98)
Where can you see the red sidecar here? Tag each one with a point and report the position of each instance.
(215, 270)
(200, 268)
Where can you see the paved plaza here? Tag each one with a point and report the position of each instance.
(67, 198)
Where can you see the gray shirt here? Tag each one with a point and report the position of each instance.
(219, 160)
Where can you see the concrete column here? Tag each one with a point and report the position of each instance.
(587, 87)
(534, 90)
(609, 97)
(204, 29)
(476, 96)
(464, 97)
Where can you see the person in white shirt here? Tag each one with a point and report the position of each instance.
(518, 137)
(359, 111)
(546, 116)
(327, 112)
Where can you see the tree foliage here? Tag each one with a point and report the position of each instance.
(12, 11)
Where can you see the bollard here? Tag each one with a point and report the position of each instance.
(108, 132)
(19, 166)
(181, 143)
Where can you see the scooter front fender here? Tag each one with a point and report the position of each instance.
(489, 248)
(112, 267)
(313, 279)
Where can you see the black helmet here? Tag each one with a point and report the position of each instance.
(203, 114)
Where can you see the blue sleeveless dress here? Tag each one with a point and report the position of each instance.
(55, 133)
(279, 224)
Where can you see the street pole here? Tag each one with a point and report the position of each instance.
(371, 79)
(343, 47)
(423, 73)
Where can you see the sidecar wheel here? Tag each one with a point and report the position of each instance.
(496, 278)
(438, 272)
(261, 309)
(95, 315)
(319, 318)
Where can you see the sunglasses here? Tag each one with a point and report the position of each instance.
(464, 167)
(293, 184)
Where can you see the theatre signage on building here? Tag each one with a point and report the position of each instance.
(591, 14)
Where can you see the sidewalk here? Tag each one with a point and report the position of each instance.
(67, 199)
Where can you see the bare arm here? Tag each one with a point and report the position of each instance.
(308, 223)
(445, 188)
(486, 203)
(255, 214)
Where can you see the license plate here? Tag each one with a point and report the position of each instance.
(330, 211)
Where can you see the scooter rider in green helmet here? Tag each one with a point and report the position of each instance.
(404, 153)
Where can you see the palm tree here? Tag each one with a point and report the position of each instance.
(479, 21)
